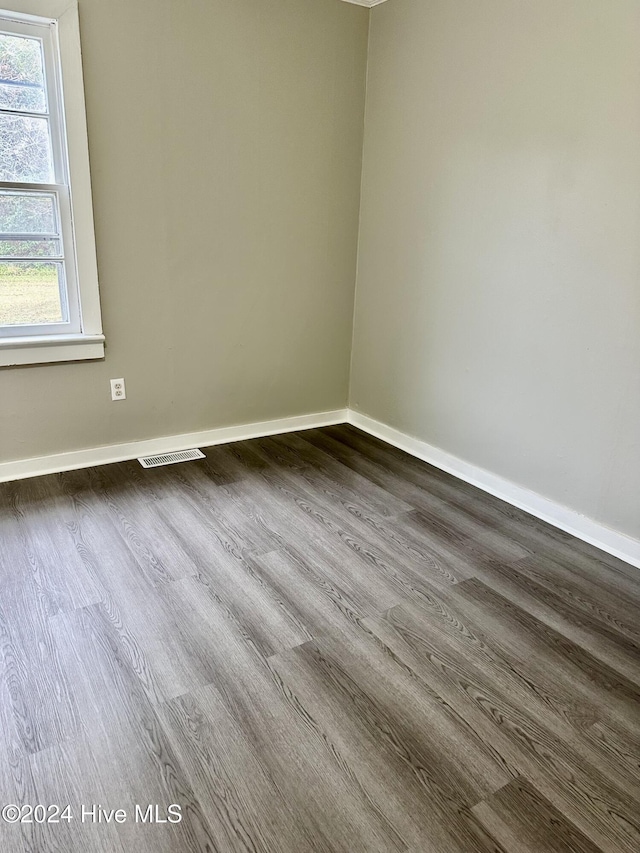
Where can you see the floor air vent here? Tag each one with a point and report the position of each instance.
(170, 458)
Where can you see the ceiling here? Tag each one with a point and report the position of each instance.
(367, 3)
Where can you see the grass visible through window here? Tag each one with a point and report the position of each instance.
(29, 294)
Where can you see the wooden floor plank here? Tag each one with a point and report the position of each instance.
(597, 597)
(602, 639)
(435, 488)
(402, 471)
(39, 534)
(37, 686)
(565, 658)
(135, 761)
(529, 739)
(241, 799)
(394, 538)
(304, 764)
(454, 513)
(371, 590)
(399, 746)
(525, 822)
(325, 475)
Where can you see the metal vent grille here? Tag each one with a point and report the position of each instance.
(170, 458)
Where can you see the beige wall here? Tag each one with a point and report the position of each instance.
(225, 140)
(498, 296)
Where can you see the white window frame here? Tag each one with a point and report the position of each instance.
(81, 338)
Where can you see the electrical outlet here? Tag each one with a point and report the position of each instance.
(118, 391)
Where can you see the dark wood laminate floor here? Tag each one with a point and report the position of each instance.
(312, 643)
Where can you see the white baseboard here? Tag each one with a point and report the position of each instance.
(611, 541)
(36, 467)
(605, 538)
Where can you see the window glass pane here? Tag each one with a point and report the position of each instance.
(21, 74)
(20, 97)
(30, 293)
(30, 249)
(25, 149)
(27, 213)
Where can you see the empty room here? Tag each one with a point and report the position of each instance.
(319, 426)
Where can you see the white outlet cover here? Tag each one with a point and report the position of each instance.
(118, 390)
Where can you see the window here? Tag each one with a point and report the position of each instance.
(49, 308)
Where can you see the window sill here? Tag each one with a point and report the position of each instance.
(45, 350)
